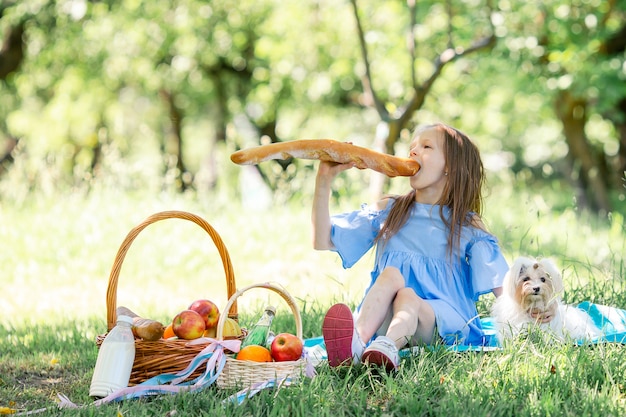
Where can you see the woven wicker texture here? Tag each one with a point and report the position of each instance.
(242, 374)
(172, 355)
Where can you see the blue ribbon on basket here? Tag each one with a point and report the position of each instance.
(173, 383)
(239, 397)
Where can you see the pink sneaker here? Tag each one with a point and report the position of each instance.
(343, 344)
(382, 352)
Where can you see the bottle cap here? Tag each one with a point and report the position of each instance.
(271, 308)
(125, 319)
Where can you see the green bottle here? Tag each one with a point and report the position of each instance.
(258, 333)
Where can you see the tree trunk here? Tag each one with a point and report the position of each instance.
(11, 57)
(591, 186)
(387, 135)
(12, 51)
(175, 142)
(6, 158)
(620, 126)
(221, 116)
(614, 46)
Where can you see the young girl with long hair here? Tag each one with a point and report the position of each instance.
(434, 257)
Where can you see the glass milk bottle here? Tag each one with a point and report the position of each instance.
(115, 359)
(258, 334)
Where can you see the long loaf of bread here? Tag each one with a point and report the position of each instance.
(329, 150)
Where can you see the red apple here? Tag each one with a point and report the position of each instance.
(188, 324)
(208, 310)
(286, 347)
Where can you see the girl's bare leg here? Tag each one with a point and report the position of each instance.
(378, 302)
(404, 316)
(413, 320)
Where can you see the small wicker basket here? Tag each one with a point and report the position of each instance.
(243, 374)
(153, 358)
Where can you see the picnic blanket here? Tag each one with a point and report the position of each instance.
(610, 320)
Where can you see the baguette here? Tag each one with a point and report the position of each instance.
(329, 150)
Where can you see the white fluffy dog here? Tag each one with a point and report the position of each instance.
(531, 291)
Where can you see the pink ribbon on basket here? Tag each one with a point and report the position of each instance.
(215, 349)
(215, 346)
(309, 368)
(214, 356)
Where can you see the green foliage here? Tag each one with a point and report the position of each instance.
(88, 100)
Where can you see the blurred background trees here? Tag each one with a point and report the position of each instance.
(158, 94)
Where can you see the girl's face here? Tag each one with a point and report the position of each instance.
(428, 149)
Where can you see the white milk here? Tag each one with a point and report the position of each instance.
(115, 360)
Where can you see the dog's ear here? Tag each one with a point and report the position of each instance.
(511, 279)
(557, 279)
(508, 284)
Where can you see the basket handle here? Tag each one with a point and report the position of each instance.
(270, 286)
(111, 299)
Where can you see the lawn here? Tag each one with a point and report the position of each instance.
(57, 254)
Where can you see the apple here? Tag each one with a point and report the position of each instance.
(188, 324)
(211, 332)
(208, 310)
(286, 347)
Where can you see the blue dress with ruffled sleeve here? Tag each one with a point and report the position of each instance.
(419, 251)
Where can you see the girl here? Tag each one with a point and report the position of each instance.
(434, 257)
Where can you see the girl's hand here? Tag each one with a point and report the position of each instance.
(330, 170)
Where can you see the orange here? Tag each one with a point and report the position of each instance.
(168, 332)
(254, 353)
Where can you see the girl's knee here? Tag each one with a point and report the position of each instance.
(407, 296)
(391, 277)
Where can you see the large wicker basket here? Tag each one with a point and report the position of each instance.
(153, 358)
(243, 374)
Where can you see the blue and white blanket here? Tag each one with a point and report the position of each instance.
(610, 320)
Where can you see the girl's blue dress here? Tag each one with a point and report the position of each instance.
(419, 251)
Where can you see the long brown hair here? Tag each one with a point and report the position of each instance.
(462, 193)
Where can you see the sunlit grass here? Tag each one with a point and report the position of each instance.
(57, 253)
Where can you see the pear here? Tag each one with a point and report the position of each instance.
(231, 329)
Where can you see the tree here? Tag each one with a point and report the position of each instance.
(162, 90)
(562, 45)
(613, 48)
(101, 68)
(416, 90)
(12, 51)
(11, 57)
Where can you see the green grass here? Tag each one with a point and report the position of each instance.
(57, 253)
(524, 379)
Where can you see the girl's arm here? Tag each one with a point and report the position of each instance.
(320, 216)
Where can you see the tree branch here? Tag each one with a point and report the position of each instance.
(411, 41)
(447, 56)
(449, 9)
(367, 80)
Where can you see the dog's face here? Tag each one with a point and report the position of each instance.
(535, 285)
